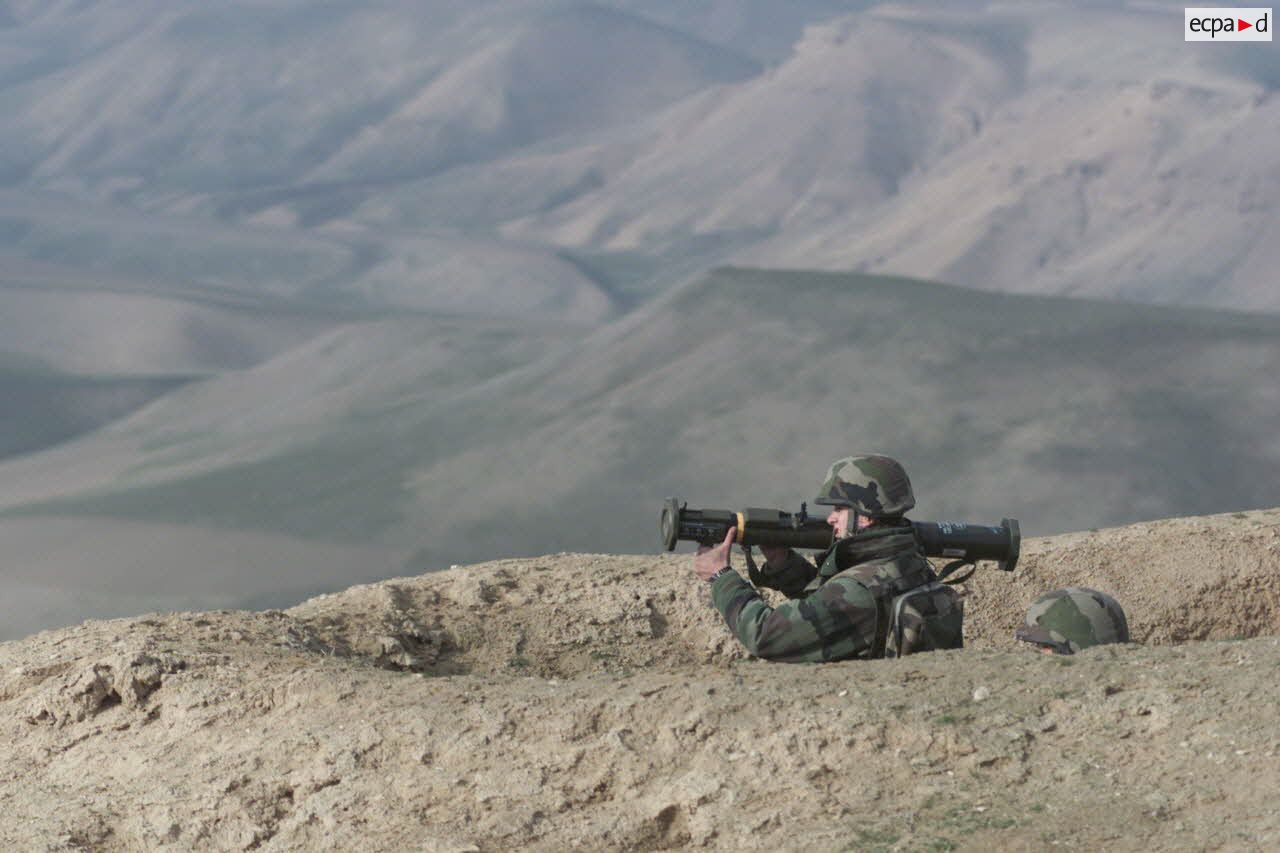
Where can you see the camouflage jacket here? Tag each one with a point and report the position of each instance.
(837, 607)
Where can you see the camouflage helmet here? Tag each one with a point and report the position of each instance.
(874, 486)
(1068, 620)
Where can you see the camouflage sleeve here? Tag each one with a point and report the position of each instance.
(790, 578)
(835, 622)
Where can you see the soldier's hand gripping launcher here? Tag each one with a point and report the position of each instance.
(962, 543)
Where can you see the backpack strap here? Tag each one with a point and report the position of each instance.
(879, 647)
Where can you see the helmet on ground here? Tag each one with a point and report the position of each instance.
(875, 486)
(1068, 620)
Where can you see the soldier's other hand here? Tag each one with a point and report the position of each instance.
(710, 559)
(775, 555)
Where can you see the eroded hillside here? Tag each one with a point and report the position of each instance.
(597, 702)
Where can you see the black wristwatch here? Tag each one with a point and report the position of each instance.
(719, 574)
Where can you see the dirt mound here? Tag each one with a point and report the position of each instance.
(1204, 578)
(1210, 578)
(597, 702)
(555, 617)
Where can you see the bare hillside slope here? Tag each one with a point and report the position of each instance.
(735, 389)
(595, 701)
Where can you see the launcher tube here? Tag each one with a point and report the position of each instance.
(967, 543)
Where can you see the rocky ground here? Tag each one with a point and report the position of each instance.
(596, 702)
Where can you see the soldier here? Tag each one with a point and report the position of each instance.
(1065, 621)
(849, 605)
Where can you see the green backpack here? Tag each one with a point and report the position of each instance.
(923, 619)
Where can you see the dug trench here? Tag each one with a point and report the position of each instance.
(597, 702)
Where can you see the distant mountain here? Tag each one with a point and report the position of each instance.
(1117, 171)
(569, 72)
(442, 442)
(1059, 151)
(837, 127)
(212, 102)
(1061, 148)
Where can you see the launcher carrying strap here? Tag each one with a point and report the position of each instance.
(955, 565)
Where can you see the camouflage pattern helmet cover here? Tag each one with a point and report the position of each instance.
(1068, 620)
(875, 486)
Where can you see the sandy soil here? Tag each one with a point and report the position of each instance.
(596, 702)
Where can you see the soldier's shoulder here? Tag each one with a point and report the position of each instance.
(847, 587)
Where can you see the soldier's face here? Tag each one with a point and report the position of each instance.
(839, 521)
